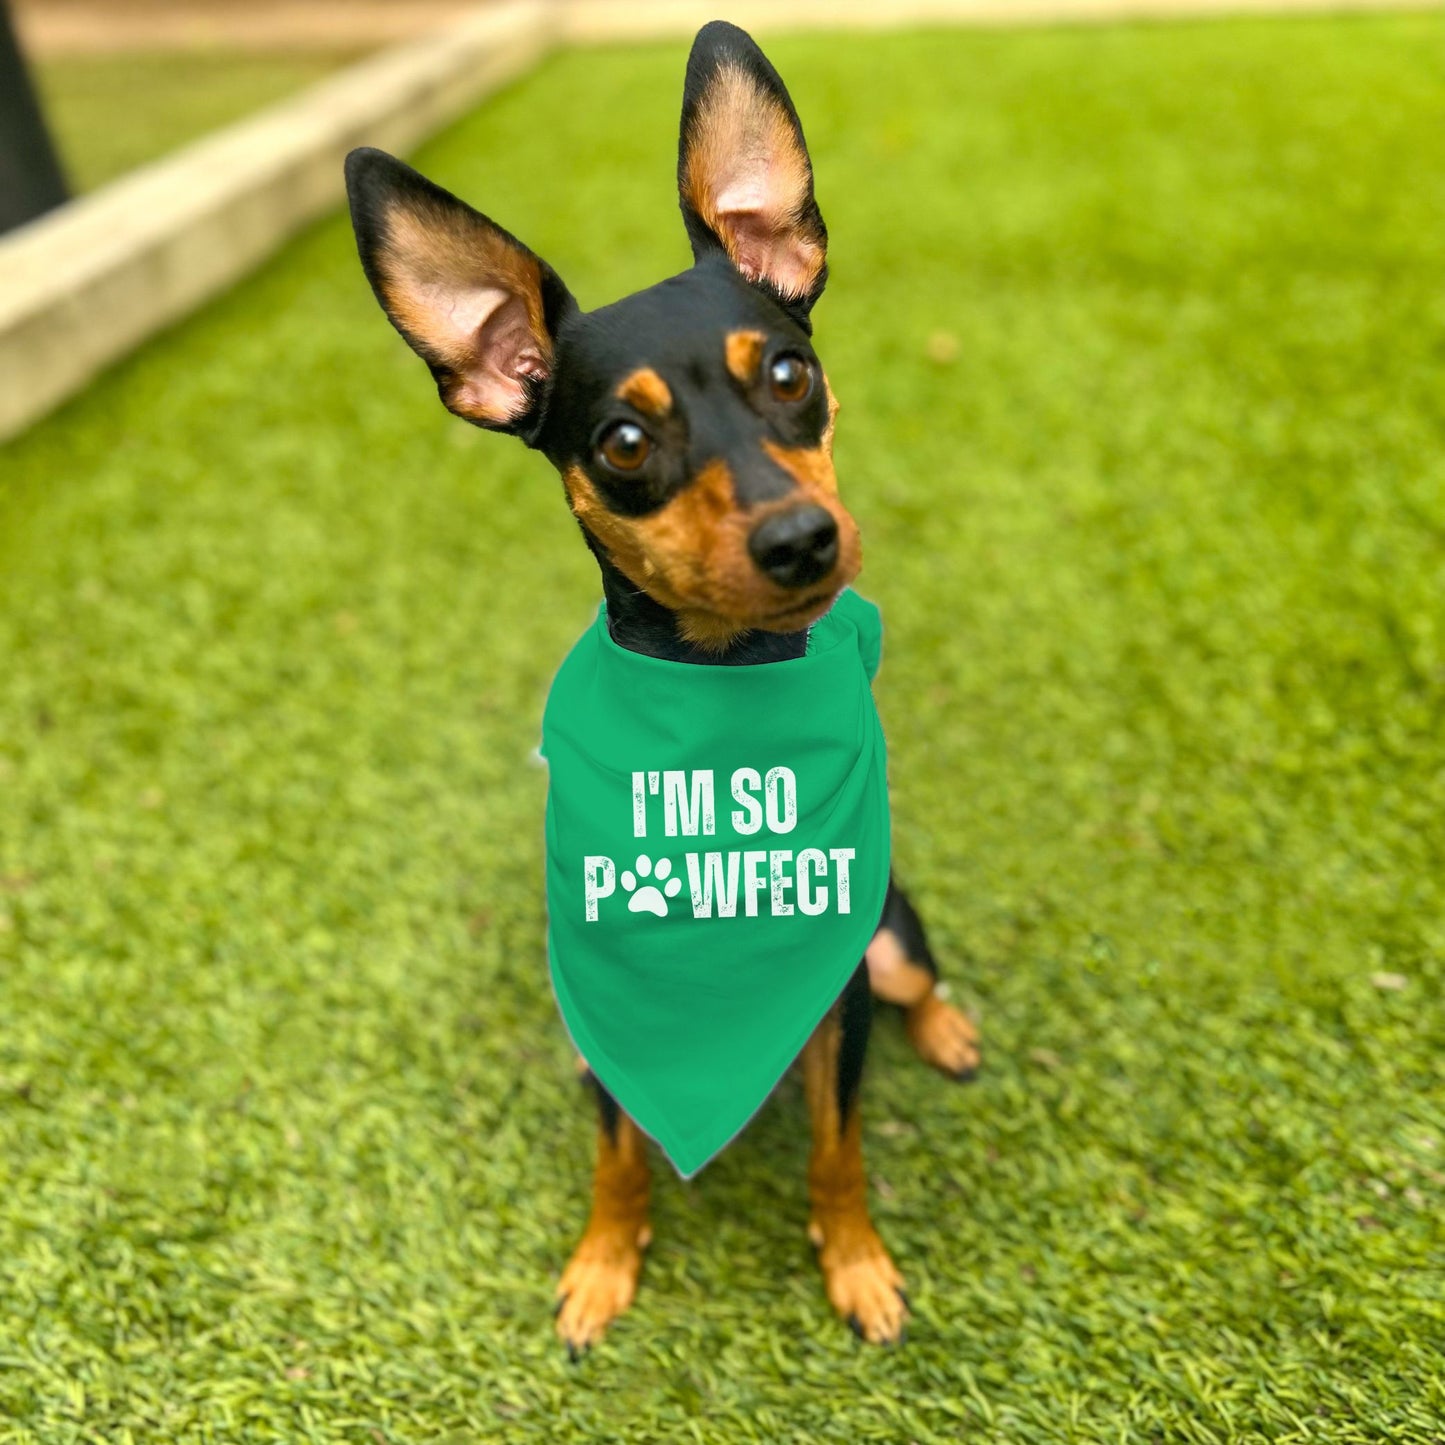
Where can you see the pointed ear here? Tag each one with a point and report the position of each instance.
(743, 173)
(474, 303)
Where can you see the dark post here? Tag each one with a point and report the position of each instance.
(31, 181)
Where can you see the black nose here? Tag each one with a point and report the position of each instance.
(795, 547)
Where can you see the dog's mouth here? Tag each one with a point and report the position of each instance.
(780, 612)
(803, 612)
(716, 629)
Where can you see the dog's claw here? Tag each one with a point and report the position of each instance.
(855, 1325)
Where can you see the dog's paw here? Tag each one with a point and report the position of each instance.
(944, 1037)
(598, 1284)
(862, 1282)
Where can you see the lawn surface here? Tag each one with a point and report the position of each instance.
(1140, 336)
(111, 113)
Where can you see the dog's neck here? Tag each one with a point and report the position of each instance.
(640, 624)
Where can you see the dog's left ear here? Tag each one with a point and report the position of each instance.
(743, 173)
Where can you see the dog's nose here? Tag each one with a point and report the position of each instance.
(795, 547)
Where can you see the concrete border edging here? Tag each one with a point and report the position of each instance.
(600, 22)
(84, 285)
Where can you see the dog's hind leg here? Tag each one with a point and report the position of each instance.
(601, 1277)
(902, 971)
(862, 1282)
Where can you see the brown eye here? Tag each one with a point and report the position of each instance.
(624, 447)
(790, 377)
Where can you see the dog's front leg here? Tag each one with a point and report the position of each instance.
(901, 970)
(601, 1277)
(862, 1283)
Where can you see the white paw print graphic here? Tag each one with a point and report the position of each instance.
(649, 898)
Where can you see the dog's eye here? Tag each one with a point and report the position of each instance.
(624, 447)
(790, 377)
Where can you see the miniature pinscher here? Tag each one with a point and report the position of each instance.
(692, 425)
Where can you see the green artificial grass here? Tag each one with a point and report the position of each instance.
(111, 113)
(1140, 338)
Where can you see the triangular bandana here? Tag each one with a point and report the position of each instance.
(717, 860)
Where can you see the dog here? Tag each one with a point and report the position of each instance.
(692, 426)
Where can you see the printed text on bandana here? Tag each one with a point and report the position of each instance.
(741, 882)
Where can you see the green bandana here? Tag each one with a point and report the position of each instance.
(717, 859)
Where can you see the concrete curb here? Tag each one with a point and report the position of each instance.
(87, 283)
(595, 22)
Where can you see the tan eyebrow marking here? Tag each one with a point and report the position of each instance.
(647, 391)
(744, 351)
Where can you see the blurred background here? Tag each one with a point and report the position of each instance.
(1139, 333)
(124, 81)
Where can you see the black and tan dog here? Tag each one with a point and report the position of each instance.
(692, 425)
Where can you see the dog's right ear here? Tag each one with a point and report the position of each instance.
(471, 300)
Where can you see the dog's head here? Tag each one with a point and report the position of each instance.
(691, 422)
